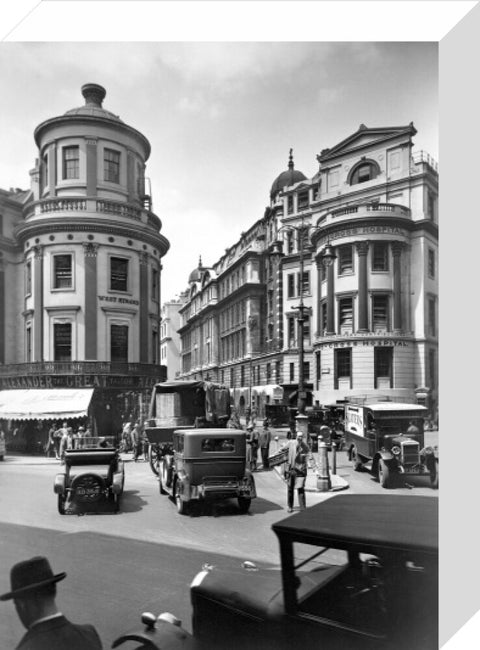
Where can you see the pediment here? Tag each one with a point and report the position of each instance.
(365, 137)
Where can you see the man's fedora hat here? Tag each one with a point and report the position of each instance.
(30, 575)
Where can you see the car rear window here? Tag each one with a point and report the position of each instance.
(218, 444)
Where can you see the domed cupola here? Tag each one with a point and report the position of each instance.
(94, 95)
(288, 177)
(197, 273)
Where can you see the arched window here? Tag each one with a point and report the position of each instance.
(365, 171)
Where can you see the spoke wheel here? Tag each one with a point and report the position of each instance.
(162, 477)
(153, 459)
(244, 504)
(385, 477)
(61, 504)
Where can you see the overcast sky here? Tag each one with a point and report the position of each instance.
(220, 117)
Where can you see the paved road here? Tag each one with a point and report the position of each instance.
(143, 558)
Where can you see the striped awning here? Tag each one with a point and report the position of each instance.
(47, 404)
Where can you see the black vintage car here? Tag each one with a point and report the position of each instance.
(358, 572)
(207, 465)
(93, 475)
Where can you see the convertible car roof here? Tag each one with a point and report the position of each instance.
(390, 522)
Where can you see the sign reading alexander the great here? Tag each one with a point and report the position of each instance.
(130, 382)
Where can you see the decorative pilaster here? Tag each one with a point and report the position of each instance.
(397, 248)
(330, 300)
(92, 165)
(38, 303)
(90, 253)
(362, 251)
(144, 318)
(318, 261)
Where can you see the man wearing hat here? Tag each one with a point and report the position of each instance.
(33, 591)
(252, 447)
(264, 439)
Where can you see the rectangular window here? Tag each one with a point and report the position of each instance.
(290, 204)
(431, 263)
(292, 372)
(290, 241)
(291, 332)
(242, 375)
(380, 256)
(383, 365)
(291, 285)
(277, 371)
(111, 166)
(323, 319)
(343, 365)
(269, 373)
(306, 370)
(119, 343)
(154, 346)
(28, 278)
(303, 200)
(431, 207)
(118, 274)
(44, 171)
(345, 315)
(305, 288)
(71, 162)
(432, 316)
(432, 368)
(306, 329)
(345, 260)
(380, 313)
(62, 341)
(62, 272)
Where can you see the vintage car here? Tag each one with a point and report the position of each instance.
(207, 465)
(94, 474)
(387, 438)
(357, 572)
(182, 404)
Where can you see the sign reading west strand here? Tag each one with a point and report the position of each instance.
(120, 300)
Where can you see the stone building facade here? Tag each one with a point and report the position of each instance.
(81, 255)
(370, 316)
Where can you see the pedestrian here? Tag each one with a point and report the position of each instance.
(234, 421)
(264, 439)
(50, 444)
(296, 470)
(57, 439)
(136, 440)
(66, 443)
(252, 447)
(291, 433)
(33, 590)
(248, 415)
(80, 438)
(413, 430)
(254, 415)
(127, 436)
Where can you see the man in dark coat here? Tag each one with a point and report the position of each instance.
(33, 592)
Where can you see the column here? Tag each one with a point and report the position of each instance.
(92, 165)
(319, 263)
(38, 303)
(330, 300)
(362, 251)
(144, 307)
(90, 252)
(397, 286)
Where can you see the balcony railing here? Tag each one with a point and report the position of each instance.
(80, 368)
(95, 205)
(391, 208)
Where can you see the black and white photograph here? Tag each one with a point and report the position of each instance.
(219, 343)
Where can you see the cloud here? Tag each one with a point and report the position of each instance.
(199, 104)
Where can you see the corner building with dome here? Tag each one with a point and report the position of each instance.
(356, 246)
(81, 270)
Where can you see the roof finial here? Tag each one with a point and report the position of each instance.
(290, 160)
(199, 261)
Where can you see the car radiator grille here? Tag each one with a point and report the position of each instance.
(410, 452)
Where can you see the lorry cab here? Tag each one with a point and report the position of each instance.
(388, 439)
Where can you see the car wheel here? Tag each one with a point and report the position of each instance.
(162, 477)
(244, 504)
(61, 504)
(153, 459)
(116, 502)
(182, 506)
(356, 462)
(384, 474)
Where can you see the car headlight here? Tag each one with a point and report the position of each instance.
(396, 451)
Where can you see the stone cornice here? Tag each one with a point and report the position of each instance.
(43, 227)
